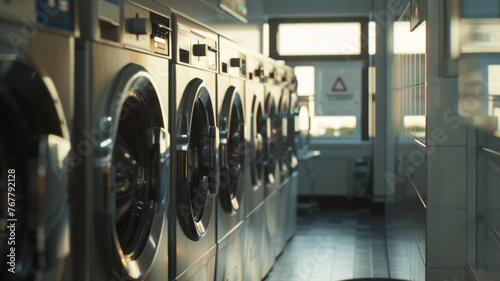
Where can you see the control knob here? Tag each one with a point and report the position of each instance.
(259, 72)
(236, 62)
(200, 50)
(139, 26)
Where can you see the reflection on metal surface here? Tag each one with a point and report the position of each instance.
(480, 35)
(335, 126)
(415, 125)
(451, 29)
(491, 228)
(494, 79)
(479, 91)
(479, 72)
(303, 121)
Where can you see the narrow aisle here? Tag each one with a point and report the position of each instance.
(334, 244)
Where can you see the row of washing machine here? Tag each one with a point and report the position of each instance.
(138, 144)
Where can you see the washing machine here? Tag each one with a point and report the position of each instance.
(272, 128)
(194, 134)
(291, 153)
(269, 131)
(122, 91)
(282, 132)
(255, 216)
(36, 91)
(283, 97)
(232, 159)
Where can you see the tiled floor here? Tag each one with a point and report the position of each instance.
(334, 244)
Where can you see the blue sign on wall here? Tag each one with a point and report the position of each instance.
(58, 14)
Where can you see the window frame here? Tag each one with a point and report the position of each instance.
(363, 56)
(366, 98)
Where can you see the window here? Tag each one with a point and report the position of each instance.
(319, 38)
(372, 38)
(409, 42)
(321, 127)
(331, 60)
(306, 39)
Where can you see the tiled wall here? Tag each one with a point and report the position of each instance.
(407, 186)
(447, 173)
(488, 205)
(426, 199)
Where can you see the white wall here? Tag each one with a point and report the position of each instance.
(333, 168)
(427, 214)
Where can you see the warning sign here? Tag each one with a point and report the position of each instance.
(339, 85)
(339, 91)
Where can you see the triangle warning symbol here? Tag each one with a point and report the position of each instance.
(339, 86)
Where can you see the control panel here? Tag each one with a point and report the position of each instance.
(160, 34)
(146, 30)
(254, 68)
(196, 45)
(233, 62)
(204, 51)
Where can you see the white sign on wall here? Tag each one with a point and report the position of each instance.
(339, 91)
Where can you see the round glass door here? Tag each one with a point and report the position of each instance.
(13, 179)
(284, 153)
(132, 160)
(257, 158)
(196, 136)
(135, 198)
(200, 152)
(293, 110)
(269, 131)
(232, 161)
(34, 144)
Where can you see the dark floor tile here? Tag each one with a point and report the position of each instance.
(354, 241)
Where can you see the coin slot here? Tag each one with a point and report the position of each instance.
(183, 56)
(109, 31)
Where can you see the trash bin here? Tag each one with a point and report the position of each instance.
(361, 174)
